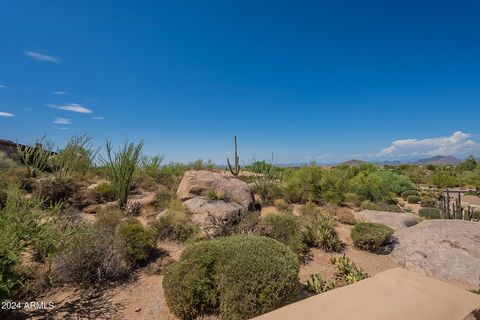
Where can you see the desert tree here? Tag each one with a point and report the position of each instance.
(120, 167)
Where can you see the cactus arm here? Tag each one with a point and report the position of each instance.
(236, 169)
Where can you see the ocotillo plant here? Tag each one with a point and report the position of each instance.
(236, 169)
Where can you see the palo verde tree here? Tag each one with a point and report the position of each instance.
(120, 167)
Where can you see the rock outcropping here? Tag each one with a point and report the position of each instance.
(443, 249)
(210, 195)
(395, 220)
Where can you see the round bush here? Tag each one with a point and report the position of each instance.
(413, 199)
(284, 227)
(370, 236)
(430, 213)
(428, 203)
(345, 215)
(135, 241)
(408, 193)
(237, 277)
(369, 205)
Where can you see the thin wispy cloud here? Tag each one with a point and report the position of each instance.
(73, 107)
(6, 114)
(27, 109)
(98, 118)
(41, 57)
(63, 121)
(60, 92)
(2, 86)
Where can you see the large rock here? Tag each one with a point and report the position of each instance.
(199, 183)
(395, 220)
(234, 197)
(444, 249)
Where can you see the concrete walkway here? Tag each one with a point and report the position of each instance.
(396, 294)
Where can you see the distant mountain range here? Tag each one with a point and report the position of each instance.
(445, 160)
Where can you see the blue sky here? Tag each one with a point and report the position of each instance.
(304, 80)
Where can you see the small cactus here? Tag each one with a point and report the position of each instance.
(236, 169)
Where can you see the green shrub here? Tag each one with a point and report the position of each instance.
(389, 207)
(395, 182)
(369, 205)
(259, 166)
(382, 206)
(444, 179)
(352, 199)
(334, 185)
(284, 227)
(370, 236)
(175, 224)
(318, 230)
(103, 192)
(24, 226)
(309, 209)
(428, 203)
(211, 194)
(317, 284)
(347, 271)
(370, 186)
(408, 193)
(430, 213)
(303, 184)
(163, 197)
(135, 241)
(238, 277)
(413, 199)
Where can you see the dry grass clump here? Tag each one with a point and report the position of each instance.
(345, 215)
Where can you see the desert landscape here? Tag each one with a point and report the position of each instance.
(234, 160)
(125, 236)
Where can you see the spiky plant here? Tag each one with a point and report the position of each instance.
(36, 159)
(78, 155)
(120, 167)
(317, 284)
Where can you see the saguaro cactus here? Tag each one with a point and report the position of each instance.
(236, 169)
